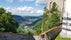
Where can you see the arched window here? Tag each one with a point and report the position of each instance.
(50, 4)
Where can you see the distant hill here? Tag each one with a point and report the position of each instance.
(19, 19)
(27, 20)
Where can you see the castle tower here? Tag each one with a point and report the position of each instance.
(60, 4)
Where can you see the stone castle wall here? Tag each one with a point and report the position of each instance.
(60, 4)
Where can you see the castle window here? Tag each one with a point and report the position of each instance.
(66, 18)
(50, 4)
(64, 23)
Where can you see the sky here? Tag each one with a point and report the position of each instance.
(24, 7)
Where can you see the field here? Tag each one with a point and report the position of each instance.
(59, 38)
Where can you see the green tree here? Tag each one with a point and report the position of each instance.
(2, 10)
(21, 30)
(37, 29)
(7, 22)
(51, 18)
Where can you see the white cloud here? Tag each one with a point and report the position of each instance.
(25, 0)
(40, 2)
(25, 11)
(10, 1)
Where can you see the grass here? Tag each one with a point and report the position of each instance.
(60, 38)
(0, 39)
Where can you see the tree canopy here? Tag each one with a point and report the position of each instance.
(51, 17)
(7, 23)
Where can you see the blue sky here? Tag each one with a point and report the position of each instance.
(24, 7)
